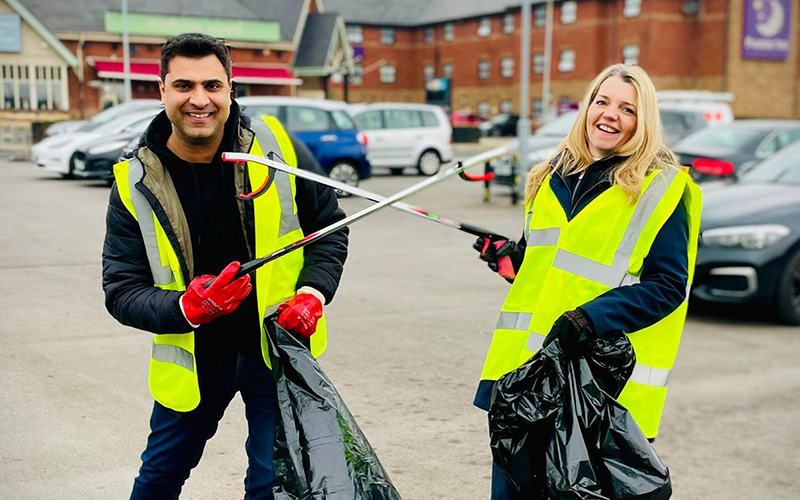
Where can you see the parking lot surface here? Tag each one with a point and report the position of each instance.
(408, 331)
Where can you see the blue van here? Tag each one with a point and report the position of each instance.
(324, 126)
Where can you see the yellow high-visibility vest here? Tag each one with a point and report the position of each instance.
(173, 366)
(569, 263)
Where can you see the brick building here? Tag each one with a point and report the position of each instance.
(683, 44)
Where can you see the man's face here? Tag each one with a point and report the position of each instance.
(197, 97)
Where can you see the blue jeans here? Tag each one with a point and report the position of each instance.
(177, 440)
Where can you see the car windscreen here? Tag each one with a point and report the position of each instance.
(121, 122)
(111, 114)
(734, 138)
(343, 120)
(558, 127)
(784, 167)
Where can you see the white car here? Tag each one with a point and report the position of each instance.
(403, 135)
(56, 153)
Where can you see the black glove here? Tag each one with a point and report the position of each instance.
(573, 331)
(500, 255)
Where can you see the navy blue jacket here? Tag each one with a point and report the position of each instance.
(665, 271)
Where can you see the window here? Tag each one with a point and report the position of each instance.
(447, 70)
(357, 78)
(569, 12)
(31, 87)
(427, 72)
(342, 120)
(429, 34)
(256, 112)
(401, 118)
(539, 15)
(538, 63)
(388, 73)
(483, 69)
(370, 120)
(484, 27)
(483, 108)
(508, 23)
(304, 119)
(778, 142)
(632, 8)
(387, 36)
(448, 32)
(538, 108)
(506, 106)
(567, 61)
(429, 119)
(507, 67)
(355, 33)
(630, 54)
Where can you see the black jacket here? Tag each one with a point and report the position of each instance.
(206, 194)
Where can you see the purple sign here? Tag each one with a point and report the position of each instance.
(766, 29)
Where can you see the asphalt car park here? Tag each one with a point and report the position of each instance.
(409, 329)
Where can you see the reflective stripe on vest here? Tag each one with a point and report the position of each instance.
(162, 274)
(173, 354)
(268, 142)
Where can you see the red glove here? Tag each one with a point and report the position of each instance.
(300, 314)
(200, 305)
(497, 254)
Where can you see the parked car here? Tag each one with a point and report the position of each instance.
(465, 119)
(750, 244)
(324, 126)
(403, 135)
(733, 149)
(502, 125)
(104, 116)
(58, 153)
(95, 159)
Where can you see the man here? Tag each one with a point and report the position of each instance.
(173, 223)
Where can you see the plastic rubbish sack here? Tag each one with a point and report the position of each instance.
(557, 431)
(320, 452)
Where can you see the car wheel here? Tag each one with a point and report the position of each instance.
(70, 169)
(344, 172)
(429, 162)
(788, 303)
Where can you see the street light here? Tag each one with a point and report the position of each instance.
(126, 53)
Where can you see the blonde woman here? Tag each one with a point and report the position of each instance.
(609, 245)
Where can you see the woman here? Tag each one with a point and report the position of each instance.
(609, 245)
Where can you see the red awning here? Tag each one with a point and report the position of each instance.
(150, 71)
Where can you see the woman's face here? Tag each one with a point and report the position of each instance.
(611, 117)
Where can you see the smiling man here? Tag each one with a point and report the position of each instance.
(173, 224)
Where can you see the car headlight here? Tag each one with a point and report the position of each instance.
(747, 237)
(105, 148)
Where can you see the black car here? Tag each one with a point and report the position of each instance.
(733, 149)
(750, 239)
(96, 159)
(504, 125)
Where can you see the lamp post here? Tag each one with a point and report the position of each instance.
(524, 123)
(126, 53)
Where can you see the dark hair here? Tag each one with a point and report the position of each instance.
(196, 46)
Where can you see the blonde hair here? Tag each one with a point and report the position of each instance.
(644, 151)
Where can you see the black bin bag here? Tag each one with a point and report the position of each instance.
(320, 453)
(557, 431)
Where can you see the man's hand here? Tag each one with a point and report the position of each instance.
(201, 305)
(573, 331)
(299, 315)
(497, 255)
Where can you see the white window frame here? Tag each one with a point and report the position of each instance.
(484, 109)
(538, 63)
(484, 27)
(630, 54)
(428, 36)
(388, 36)
(507, 67)
(355, 33)
(632, 8)
(569, 12)
(448, 32)
(508, 23)
(388, 73)
(539, 15)
(537, 107)
(447, 70)
(566, 61)
(507, 106)
(15, 71)
(484, 69)
(357, 78)
(428, 72)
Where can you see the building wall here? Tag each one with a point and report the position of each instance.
(692, 51)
